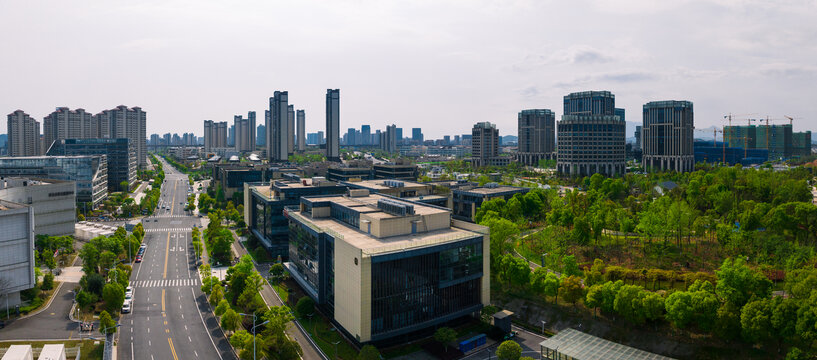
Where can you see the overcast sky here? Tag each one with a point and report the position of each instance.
(439, 65)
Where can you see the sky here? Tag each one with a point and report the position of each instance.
(438, 65)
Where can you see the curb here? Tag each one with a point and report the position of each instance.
(45, 307)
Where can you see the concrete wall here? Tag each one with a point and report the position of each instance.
(350, 284)
(16, 251)
(54, 212)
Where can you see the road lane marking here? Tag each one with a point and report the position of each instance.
(206, 330)
(167, 252)
(172, 350)
(163, 300)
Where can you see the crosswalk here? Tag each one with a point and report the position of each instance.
(165, 283)
(169, 216)
(164, 230)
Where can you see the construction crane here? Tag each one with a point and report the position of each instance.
(790, 118)
(731, 117)
(715, 132)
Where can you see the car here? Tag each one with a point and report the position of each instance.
(138, 258)
(143, 246)
(126, 307)
(129, 295)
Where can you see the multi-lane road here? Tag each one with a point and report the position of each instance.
(170, 317)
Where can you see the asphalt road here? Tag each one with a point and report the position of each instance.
(170, 317)
(51, 323)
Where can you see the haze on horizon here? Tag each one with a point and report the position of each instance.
(438, 65)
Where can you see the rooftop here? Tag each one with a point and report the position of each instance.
(583, 346)
(487, 190)
(381, 184)
(367, 205)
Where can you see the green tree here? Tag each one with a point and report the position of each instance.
(48, 282)
(444, 336)
(107, 259)
(124, 186)
(783, 317)
(85, 298)
(230, 320)
(593, 299)
(727, 325)
(241, 339)
(679, 308)
(653, 305)
(276, 271)
(795, 354)
(629, 303)
(509, 350)
(305, 306)
(570, 268)
(515, 271)
(537, 280)
(368, 352)
(595, 275)
(572, 289)
(90, 258)
(114, 296)
(551, 286)
(609, 291)
(106, 324)
(737, 283)
(216, 295)
(222, 307)
(755, 321)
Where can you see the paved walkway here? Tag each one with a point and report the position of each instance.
(71, 274)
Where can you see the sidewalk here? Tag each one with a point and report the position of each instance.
(294, 328)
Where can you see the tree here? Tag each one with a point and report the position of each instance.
(48, 282)
(276, 271)
(609, 291)
(222, 307)
(305, 306)
(124, 186)
(737, 283)
(570, 267)
(755, 321)
(679, 308)
(795, 354)
(595, 275)
(593, 299)
(368, 352)
(114, 296)
(90, 258)
(241, 339)
(106, 324)
(572, 289)
(444, 336)
(509, 350)
(230, 320)
(551, 286)
(209, 283)
(107, 259)
(727, 325)
(653, 305)
(93, 283)
(783, 317)
(216, 295)
(85, 298)
(629, 303)
(515, 271)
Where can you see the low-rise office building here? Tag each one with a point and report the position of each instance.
(405, 268)
(16, 251)
(466, 201)
(395, 170)
(232, 177)
(54, 202)
(343, 173)
(264, 208)
(421, 192)
(90, 173)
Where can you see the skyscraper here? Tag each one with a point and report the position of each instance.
(667, 132)
(278, 146)
(417, 136)
(333, 124)
(366, 134)
(124, 122)
(65, 123)
(245, 132)
(215, 135)
(291, 129)
(537, 135)
(591, 136)
(231, 136)
(301, 115)
(23, 135)
(399, 136)
(388, 139)
(485, 143)
(261, 137)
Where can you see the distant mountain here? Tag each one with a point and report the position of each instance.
(507, 139)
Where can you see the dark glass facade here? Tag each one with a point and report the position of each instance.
(120, 153)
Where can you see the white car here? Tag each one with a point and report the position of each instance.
(129, 294)
(126, 307)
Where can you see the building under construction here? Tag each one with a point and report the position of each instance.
(779, 140)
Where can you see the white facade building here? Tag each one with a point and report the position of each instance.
(16, 252)
(54, 202)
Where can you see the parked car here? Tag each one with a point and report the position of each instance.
(126, 307)
(138, 258)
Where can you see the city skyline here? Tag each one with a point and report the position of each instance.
(735, 57)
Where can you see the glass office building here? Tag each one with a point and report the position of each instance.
(89, 172)
(120, 154)
(407, 267)
(591, 136)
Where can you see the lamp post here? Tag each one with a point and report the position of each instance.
(253, 330)
(543, 326)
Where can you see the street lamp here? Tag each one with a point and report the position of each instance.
(253, 330)
(543, 326)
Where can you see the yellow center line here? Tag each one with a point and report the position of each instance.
(167, 248)
(172, 350)
(163, 300)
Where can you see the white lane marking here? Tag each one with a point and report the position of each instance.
(189, 339)
(148, 332)
(197, 354)
(205, 326)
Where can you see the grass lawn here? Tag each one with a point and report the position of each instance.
(324, 334)
(88, 349)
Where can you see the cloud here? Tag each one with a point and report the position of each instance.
(787, 70)
(530, 91)
(610, 78)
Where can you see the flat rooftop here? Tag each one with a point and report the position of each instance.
(379, 184)
(493, 190)
(583, 346)
(372, 245)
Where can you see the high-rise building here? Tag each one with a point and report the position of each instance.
(215, 135)
(261, 137)
(485, 143)
(124, 122)
(278, 146)
(321, 139)
(245, 132)
(291, 129)
(399, 136)
(65, 123)
(23, 135)
(166, 139)
(591, 136)
(120, 157)
(333, 124)
(17, 242)
(667, 130)
(537, 135)
(301, 115)
(155, 140)
(621, 114)
(231, 136)
(388, 139)
(417, 136)
(801, 143)
(366, 135)
(779, 140)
